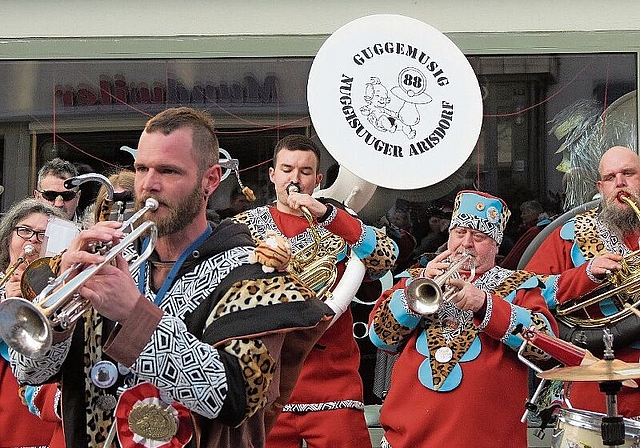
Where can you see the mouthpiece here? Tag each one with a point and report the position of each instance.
(293, 187)
(29, 250)
(151, 204)
(622, 195)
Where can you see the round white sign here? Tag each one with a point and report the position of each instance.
(394, 101)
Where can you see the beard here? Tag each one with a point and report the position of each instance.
(181, 214)
(620, 219)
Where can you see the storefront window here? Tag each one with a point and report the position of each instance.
(544, 116)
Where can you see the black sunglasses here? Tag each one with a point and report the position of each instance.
(51, 196)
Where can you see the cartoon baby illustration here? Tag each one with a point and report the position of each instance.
(377, 98)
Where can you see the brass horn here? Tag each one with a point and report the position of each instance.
(27, 327)
(315, 269)
(425, 295)
(27, 251)
(622, 287)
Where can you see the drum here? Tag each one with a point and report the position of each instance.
(581, 429)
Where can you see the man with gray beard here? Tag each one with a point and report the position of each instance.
(583, 253)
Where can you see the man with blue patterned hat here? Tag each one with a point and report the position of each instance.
(457, 381)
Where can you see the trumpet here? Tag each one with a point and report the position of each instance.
(27, 327)
(425, 295)
(27, 251)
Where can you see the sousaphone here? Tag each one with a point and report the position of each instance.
(398, 106)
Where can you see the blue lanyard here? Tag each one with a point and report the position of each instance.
(142, 273)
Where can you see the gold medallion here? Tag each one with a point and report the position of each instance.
(152, 422)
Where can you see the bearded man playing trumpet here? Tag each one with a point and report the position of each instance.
(457, 381)
(582, 255)
(190, 342)
(21, 235)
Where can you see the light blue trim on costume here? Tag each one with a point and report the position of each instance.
(607, 307)
(473, 351)
(568, 233)
(368, 244)
(451, 382)
(375, 340)
(530, 283)
(576, 255)
(549, 292)
(4, 350)
(398, 307)
(568, 230)
(30, 393)
(521, 316)
(454, 378)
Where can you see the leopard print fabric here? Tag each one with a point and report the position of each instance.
(250, 294)
(459, 346)
(387, 328)
(257, 365)
(383, 257)
(381, 260)
(587, 238)
(258, 368)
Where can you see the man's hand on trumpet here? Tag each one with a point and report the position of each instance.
(438, 265)
(79, 250)
(468, 297)
(111, 290)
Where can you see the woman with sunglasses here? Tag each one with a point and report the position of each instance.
(29, 412)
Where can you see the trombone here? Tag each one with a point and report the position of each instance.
(27, 327)
(27, 251)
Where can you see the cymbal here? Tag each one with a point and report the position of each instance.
(602, 370)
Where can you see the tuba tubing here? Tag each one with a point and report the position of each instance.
(27, 327)
(579, 327)
(624, 282)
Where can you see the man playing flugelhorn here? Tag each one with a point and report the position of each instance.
(457, 381)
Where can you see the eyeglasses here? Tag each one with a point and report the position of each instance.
(26, 233)
(51, 196)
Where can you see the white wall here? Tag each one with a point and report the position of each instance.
(56, 18)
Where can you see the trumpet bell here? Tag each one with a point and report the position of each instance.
(22, 327)
(424, 296)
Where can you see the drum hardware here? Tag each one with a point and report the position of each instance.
(611, 374)
(425, 295)
(578, 428)
(563, 351)
(27, 326)
(27, 251)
